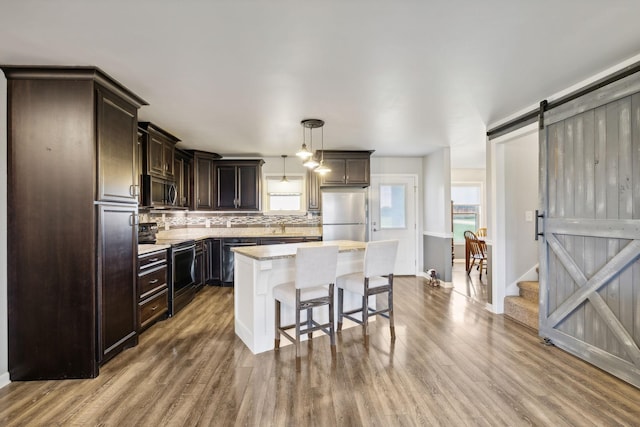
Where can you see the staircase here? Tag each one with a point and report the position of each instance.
(524, 308)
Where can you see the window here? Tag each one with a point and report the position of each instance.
(284, 197)
(467, 199)
(392, 206)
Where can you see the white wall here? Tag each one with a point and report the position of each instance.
(4, 336)
(437, 193)
(521, 196)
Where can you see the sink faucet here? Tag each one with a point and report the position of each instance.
(282, 227)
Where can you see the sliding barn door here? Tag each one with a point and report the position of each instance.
(590, 248)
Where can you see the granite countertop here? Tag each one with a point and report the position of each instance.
(145, 248)
(269, 252)
(214, 232)
(165, 238)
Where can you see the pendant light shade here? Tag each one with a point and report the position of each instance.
(311, 124)
(303, 153)
(322, 169)
(284, 169)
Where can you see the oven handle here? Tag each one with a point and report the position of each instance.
(184, 248)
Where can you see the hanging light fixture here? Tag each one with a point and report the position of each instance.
(284, 168)
(322, 168)
(304, 154)
(311, 124)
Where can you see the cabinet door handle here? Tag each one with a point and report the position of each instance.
(151, 282)
(154, 259)
(154, 308)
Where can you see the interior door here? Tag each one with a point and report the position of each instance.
(392, 203)
(590, 198)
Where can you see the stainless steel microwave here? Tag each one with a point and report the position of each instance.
(158, 192)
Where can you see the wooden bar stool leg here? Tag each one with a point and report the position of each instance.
(332, 332)
(390, 304)
(365, 316)
(340, 308)
(298, 365)
(276, 341)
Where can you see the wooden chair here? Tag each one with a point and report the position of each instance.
(481, 232)
(477, 251)
(313, 287)
(376, 278)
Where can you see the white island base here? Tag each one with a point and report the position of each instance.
(259, 268)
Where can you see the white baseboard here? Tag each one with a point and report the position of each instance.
(530, 275)
(4, 379)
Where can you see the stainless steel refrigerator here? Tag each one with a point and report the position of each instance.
(344, 214)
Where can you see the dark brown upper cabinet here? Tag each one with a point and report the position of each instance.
(237, 184)
(158, 148)
(182, 174)
(348, 168)
(201, 182)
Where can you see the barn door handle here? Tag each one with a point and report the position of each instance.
(538, 216)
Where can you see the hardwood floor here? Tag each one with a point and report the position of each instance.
(453, 363)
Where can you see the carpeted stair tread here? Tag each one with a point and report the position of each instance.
(529, 290)
(522, 310)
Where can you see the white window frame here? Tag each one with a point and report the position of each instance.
(480, 205)
(303, 195)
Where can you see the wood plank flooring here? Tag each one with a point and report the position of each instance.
(453, 363)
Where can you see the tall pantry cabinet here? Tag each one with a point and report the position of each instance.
(72, 214)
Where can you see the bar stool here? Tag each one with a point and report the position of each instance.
(313, 287)
(379, 261)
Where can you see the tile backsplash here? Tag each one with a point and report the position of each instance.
(186, 219)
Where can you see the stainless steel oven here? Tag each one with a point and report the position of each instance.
(183, 290)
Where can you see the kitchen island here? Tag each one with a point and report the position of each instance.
(259, 268)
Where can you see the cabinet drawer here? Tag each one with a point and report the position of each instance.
(153, 308)
(150, 259)
(152, 280)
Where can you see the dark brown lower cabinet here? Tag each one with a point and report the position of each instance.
(199, 265)
(213, 261)
(153, 289)
(117, 296)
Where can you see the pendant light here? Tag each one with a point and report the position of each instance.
(322, 168)
(304, 154)
(311, 124)
(284, 168)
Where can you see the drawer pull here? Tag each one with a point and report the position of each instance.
(153, 260)
(154, 308)
(151, 282)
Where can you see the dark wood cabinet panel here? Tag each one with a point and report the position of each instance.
(182, 174)
(78, 126)
(117, 171)
(159, 151)
(202, 182)
(237, 184)
(117, 296)
(225, 187)
(199, 265)
(213, 269)
(314, 200)
(348, 168)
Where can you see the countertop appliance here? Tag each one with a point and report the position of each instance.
(147, 232)
(344, 214)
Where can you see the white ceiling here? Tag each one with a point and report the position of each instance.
(399, 77)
